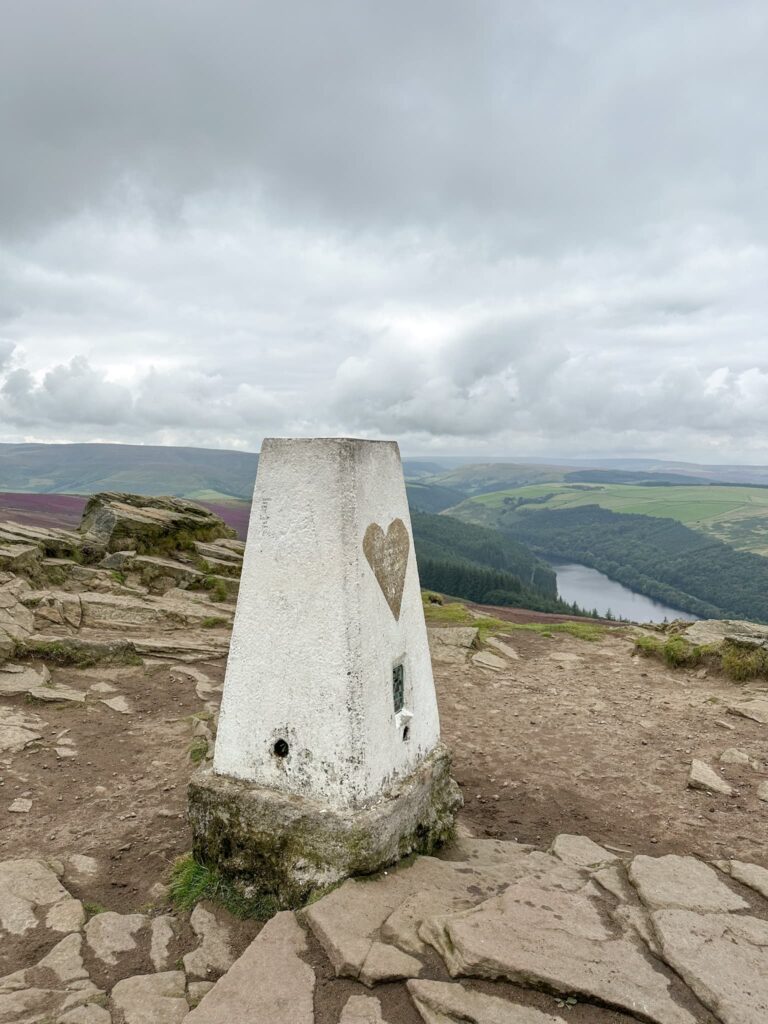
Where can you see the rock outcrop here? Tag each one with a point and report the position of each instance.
(118, 522)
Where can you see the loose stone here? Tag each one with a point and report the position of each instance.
(702, 776)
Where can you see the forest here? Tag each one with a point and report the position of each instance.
(482, 565)
(660, 558)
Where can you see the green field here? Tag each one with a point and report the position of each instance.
(736, 515)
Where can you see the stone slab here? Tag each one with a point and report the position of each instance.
(558, 941)
(722, 957)
(752, 875)
(362, 1010)
(682, 882)
(271, 982)
(150, 999)
(443, 1002)
(581, 852)
(755, 709)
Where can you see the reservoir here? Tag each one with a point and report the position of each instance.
(592, 589)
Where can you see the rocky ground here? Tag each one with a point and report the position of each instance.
(111, 664)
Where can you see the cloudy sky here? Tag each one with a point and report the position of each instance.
(508, 227)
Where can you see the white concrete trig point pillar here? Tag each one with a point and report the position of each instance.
(328, 758)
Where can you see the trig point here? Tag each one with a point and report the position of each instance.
(328, 758)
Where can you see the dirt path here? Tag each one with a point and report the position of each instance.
(589, 738)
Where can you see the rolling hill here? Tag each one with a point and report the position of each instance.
(734, 514)
(200, 473)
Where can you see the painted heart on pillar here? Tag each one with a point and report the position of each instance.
(387, 555)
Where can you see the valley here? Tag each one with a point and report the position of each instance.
(734, 514)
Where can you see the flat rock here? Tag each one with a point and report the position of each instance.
(21, 805)
(762, 792)
(722, 957)
(444, 1002)
(18, 729)
(484, 659)
(714, 631)
(109, 933)
(682, 882)
(750, 874)
(19, 679)
(451, 643)
(33, 1004)
(214, 955)
(484, 851)
(268, 984)
(756, 709)
(362, 1010)
(90, 1014)
(36, 683)
(614, 880)
(702, 776)
(387, 963)
(503, 648)
(734, 756)
(197, 989)
(65, 960)
(150, 999)
(635, 920)
(162, 936)
(351, 919)
(219, 552)
(79, 870)
(28, 886)
(51, 988)
(581, 852)
(119, 704)
(559, 941)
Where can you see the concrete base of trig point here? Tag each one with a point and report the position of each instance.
(328, 759)
(292, 847)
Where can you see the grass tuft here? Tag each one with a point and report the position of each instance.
(737, 661)
(457, 614)
(192, 882)
(213, 621)
(92, 909)
(198, 749)
(580, 630)
(741, 663)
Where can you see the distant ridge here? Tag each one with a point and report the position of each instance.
(218, 474)
(203, 473)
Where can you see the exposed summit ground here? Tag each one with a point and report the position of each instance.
(109, 691)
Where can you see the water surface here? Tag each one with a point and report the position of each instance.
(592, 589)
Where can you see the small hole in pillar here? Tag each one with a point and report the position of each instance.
(280, 749)
(406, 733)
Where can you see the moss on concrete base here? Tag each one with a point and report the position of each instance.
(290, 848)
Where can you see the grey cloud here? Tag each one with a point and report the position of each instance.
(506, 119)
(499, 228)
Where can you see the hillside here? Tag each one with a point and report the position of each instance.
(734, 514)
(482, 565)
(200, 473)
(138, 469)
(658, 557)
